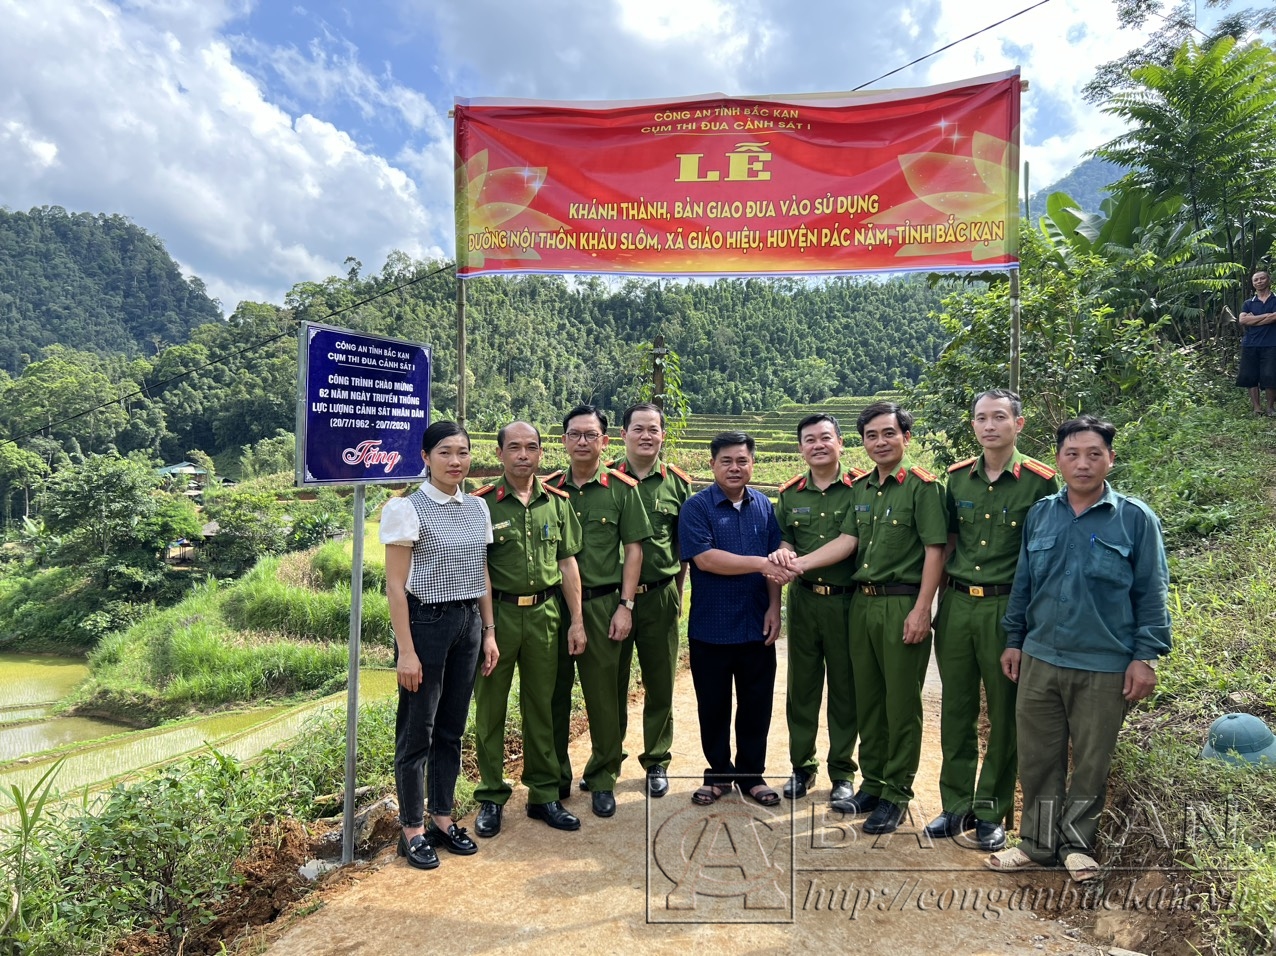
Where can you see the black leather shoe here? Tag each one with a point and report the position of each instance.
(796, 786)
(454, 839)
(584, 785)
(657, 781)
(990, 836)
(604, 803)
(886, 818)
(488, 821)
(553, 814)
(860, 803)
(950, 824)
(418, 851)
(842, 790)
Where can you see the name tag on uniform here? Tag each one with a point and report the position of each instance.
(800, 511)
(863, 507)
(965, 504)
(501, 524)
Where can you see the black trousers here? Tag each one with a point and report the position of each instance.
(714, 669)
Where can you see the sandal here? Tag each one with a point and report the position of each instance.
(764, 795)
(1012, 859)
(708, 795)
(1080, 866)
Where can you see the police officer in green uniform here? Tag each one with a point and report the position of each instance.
(663, 488)
(988, 498)
(614, 525)
(534, 579)
(810, 510)
(899, 526)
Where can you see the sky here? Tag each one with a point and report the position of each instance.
(265, 142)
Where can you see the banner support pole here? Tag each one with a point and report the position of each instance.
(460, 351)
(352, 679)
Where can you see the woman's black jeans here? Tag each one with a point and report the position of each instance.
(431, 720)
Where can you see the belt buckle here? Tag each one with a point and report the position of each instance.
(527, 600)
(869, 589)
(975, 590)
(642, 589)
(822, 589)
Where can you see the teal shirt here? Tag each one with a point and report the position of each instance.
(1090, 590)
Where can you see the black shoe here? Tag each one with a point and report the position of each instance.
(990, 835)
(553, 814)
(886, 818)
(454, 839)
(584, 785)
(842, 790)
(488, 821)
(418, 851)
(860, 803)
(604, 803)
(657, 781)
(796, 786)
(950, 824)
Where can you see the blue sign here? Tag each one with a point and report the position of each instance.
(363, 404)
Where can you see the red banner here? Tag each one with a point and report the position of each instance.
(903, 180)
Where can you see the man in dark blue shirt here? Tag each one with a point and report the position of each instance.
(1258, 347)
(726, 532)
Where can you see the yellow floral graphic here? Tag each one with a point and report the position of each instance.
(492, 204)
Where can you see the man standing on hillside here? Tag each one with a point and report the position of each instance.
(899, 527)
(1258, 347)
(535, 583)
(1085, 624)
(988, 499)
(664, 488)
(810, 509)
(614, 524)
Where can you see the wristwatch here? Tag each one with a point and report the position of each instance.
(627, 602)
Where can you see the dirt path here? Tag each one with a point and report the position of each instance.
(601, 890)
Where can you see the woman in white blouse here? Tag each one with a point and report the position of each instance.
(441, 610)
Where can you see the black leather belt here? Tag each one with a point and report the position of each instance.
(889, 590)
(469, 602)
(981, 590)
(526, 600)
(588, 594)
(824, 590)
(653, 586)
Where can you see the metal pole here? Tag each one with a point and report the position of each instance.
(1014, 330)
(352, 679)
(658, 353)
(460, 351)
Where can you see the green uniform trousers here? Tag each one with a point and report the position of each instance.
(1058, 706)
(654, 639)
(819, 646)
(969, 641)
(598, 667)
(888, 694)
(527, 637)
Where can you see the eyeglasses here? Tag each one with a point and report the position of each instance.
(583, 436)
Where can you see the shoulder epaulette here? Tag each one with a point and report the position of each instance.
(556, 491)
(552, 476)
(962, 464)
(790, 483)
(1039, 468)
(853, 475)
(679, 472)
(480, 492)
(618, 464)
(630, 480)
(923, 474)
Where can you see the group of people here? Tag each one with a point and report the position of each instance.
(1051, 596)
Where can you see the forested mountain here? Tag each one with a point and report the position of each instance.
(1089, 183)
(92, 282)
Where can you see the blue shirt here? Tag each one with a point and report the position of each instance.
(1260, 336)
(727, 608)
(1090, 589)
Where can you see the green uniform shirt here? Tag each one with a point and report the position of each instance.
(528, 540)
(894, 521)
(987, 516)
(611, 515)
(663, 492)
(810, 518)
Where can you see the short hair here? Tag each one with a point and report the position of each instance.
(727, 439)
(815, 420)
(903, 418)
(500, 436)
(586, 410)
(438, 432)
(1016, 403)
(642, 407)
(1085, 423)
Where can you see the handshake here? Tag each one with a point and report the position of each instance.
(782, 566)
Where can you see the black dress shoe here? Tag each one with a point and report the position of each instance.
(454, 839)
(584, 785)
(990, 835)
(488, 821)
(657, 781)
(842, 790)
(886, 818)
(950, 824)
(604, 803)
(860, 803)
(553, 814)
(796, 786)
(418, 851)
